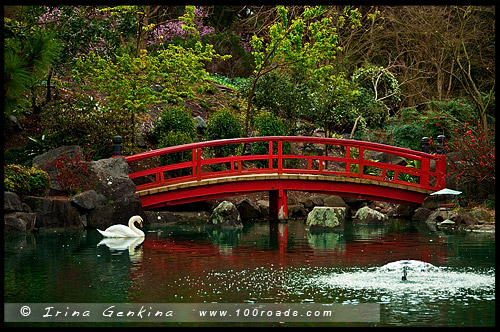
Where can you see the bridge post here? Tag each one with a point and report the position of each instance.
(277, 203)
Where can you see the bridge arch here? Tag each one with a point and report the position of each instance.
(351, 168)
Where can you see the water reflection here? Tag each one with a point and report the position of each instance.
(263, 262)
(122, 244)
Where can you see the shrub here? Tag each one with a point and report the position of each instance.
(79, 119)
(174, 119)
(25, 180)
(174, 138)
(472, 159)
(406, 135)
(73, 172)
(267, 124)
(223, 125)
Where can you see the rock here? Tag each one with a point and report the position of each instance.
(430, 202)
(19, 222)
(248, 210)
(421, 214)
(190, 216)
(201, 125)
(326, 217)
(15, 123)
(405, 211)
(365, 214)
(141, 142)
(225, 214)
(53, 212)
(296, 211)
(116, 212)
(439, 216)
(88, 200)
(44, 161)
(334, 201)
(159, 217)
(463, 218)
(11, 202)
(480, 214)
(264, 207)
(110, 177)
(116, 167)
(310, 202)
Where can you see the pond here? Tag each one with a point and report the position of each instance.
(450, 275)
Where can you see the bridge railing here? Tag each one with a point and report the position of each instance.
(288, 155)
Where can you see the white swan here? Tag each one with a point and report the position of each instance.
(124, 231)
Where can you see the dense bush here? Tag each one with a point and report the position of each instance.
(174, 119)
(267, 124)
(472, 159)
(73, 172)
(79, 119)
(173, 138)
(406, 135)
(223, 125)
(25, 180)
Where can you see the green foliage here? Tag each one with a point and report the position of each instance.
(16, 82)
(267, 124)
(125, 80)
(223, 124)
(173, 138)
(303, 44)
(335, 104)
(380, 82)
(25, 180)
(30, 54)
(456, 109)
(174, 119)
(284, 96)
(406, 135)
(232, 82)
(82, 120)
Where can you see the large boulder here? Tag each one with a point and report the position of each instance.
(110, 177)
(54, 212)
(368, 215)
(11, 202)
(18, 216)
(118, 211)
(45, 162)
(421, 214)
(248, 210)
(88, 200)
(19, 222)
(326, 217)
(226, 215)
(334, 201)
(480, 214)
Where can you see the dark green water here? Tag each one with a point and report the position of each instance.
(265, 263)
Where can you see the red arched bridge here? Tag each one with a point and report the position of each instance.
(196, 172)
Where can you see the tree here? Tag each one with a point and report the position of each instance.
(30, 54)
(130, 84)
(303, 45)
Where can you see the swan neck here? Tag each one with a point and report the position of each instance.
(131, 225)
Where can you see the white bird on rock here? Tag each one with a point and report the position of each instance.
(124, 231)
